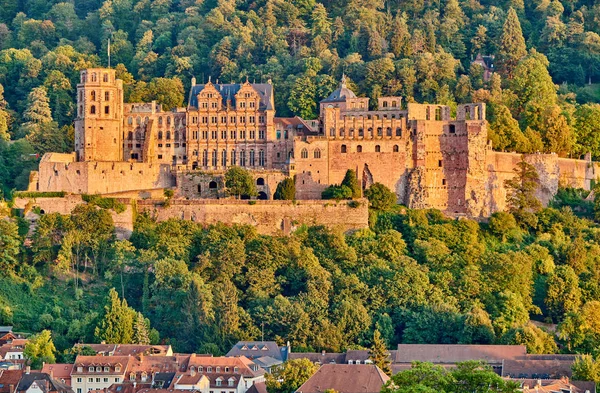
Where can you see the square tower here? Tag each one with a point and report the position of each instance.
(99, 121)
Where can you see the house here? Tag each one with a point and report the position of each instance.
(268, 363)
(539, 366)
(9, 379)
(487, 63)
(345, 378)
(258, 349)
(238, 374)
(13, 349)
(356, 356)
(59, 371)
(259, 387)
(38, 382)
(98, 372)
(562, 385)
(6, 335)
(129, 349)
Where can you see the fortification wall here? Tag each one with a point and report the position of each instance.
(269, 217)
(201, 184)
(554, 172)
(92, 177)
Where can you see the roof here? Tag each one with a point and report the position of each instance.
(44, 380)
(58, 370)
(163, 380)
(100, 361)
(244, 364)
(257, 349)
(346, 378)
(267, 361)
(229, 90)
(453, 353)
(296, 123)
(9, 377)
(5, 329)
(537, 368)
(341, 93)
(321, 358)
(128, 387)
(128, 349)
(259, 387)
(550, 386)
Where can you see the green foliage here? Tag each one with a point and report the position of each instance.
(337, 192)
(104, 202)
(535, 339)
(521, 189)
(286, 190)
(40, 349)
(291, 376)
(586, 368)
(38, 194)
(380, 197)
(239, 182)
(379, 354)
(351, 181)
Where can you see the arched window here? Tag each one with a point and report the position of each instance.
(94, 77)
(176, 135)
(370, 130)
(359, 149)
(93, 95)
(168, 135)
(377, 149)
(344, 149)
(105, 77)
(93, 109)
(261, 158)
(130, 120)
(394, 104)
(260, 181)
(212, 185)
(214, 158)
(342, 132)
(395, 148)
(388, 131)
(233, 157)
(317, 153)
(398, 131)
(379, 131)
(252, 158)
(138, 120)
(205, 158)
(243, 158)
(223, 157)
(160, 134)
(361, 132)
(168, 121)
(130, 136)
(385, 104)
(160, 121)
(146, 120)
(304, 153)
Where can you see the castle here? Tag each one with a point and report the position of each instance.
(428, 157)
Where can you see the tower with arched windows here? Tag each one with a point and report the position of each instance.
(98, 125)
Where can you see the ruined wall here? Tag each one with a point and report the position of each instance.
(554, 172)
(92, 177)
(269, 217)
(203, 184)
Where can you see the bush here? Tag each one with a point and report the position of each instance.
(353, 204)
(37, 194)
(104, 203)
(286, 190)
(351, 181)
(380, 197)
(239, 182)
(337, 192)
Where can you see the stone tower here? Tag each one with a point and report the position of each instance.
(99, 121)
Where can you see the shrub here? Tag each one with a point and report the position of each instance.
(337, 192)
(286, 190)
(380, 197)
(104, 203)
(37, 194)
(351, 181)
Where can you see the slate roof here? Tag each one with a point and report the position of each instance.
(267, 361)
(229, 90)
(48, 384)
(346, 378)
(5, 329)
(442, 353)
(257, 349)
(341, 93)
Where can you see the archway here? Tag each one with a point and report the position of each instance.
(262, 196)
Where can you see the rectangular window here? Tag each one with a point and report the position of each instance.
(261, 158)
(261, 134)
(224, 158)
(204, 119)
(252, 158)
(261, 119)
(213, 119)
(195, 120)
(106, 380)
(195, 135)
(213, 134)
(214, 158)
(251, 104)
(252, 118)
(106, 96)
(79, 380)
(97, 380)
(204, 134)
(223, 134)
(278, 134)
(223, 119)
(90, 380)
(252, 134)
(242, 134)
(232, 119)
(242, 119)
(243, 158)
(117, 380)
(233, 134)
(78, 390)
(233, 157)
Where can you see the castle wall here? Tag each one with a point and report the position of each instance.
(91, 177)
(201, 184)
(269, 217)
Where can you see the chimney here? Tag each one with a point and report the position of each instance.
(28, 370)
(193, 81)
(51, 373)
(322, 353)
(11, 388)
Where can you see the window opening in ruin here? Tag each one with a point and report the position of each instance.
(106, 96)
(105, 78)
(438, 114)
(317, 153)
(359, 149)
(344, 149)
(212, 185)
(385, 104)
(377, 149)
(452, 129)
(93, 109)
(395, 148)
(304, 153)
(440, 163)
(260, 181)
(106, 110)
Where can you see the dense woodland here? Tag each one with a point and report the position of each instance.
(418, 49)
(414, 276)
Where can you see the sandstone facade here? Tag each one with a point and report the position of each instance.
(428, 157)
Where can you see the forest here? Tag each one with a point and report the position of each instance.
(543, 96)
(414, 276)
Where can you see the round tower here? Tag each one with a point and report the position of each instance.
(98, 125)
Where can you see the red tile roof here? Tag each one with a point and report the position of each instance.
(442, 353)
(58, 370)
(8, 378)
(346, 378)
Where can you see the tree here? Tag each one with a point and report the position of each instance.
(239, 182)
(351, 181)
(379, 354)
(521, 189)
(587, 124)
(563, 295)
(40, 349)
(4, 117)
(505, 133)
(9, 246)
(535, 339)
(512, 45)
(380, 197)
(286, 190)
(141, 335)
(166, 91)
(337, 192)
(116, 325)
(38, 112)
(586, 368)
(289, 377)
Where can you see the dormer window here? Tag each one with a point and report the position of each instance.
(106, 369)
(218, 381)
(218, 369)
(91, 369)
(144, 377)
(235, 369)
(79, 369)
(209, 369)
(350, 361)
(226, 369)
(132, 376)
(118, 368)
(200, 368)
(231, 382)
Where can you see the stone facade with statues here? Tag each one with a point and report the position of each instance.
(429, 157)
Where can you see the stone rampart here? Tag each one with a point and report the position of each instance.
(269, 217)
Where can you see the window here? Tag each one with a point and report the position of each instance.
(93, 109)
(388, 131)
(138, 120)
(106, 110)
(243, 158)
(205, 158)
(117, 380)
(223, 134)
(379, 131)
(218, 369)
(106, 369)
(252, 134)
(91, 369)
(452, 129)
(105, 78)
(394, 104)
(79, 380)
(90, 380)
(224, 158)
(97, 380)
(398, 131)
(106, 96)
(213, 134)
(219, 382)
(176, 135)
(233, 134)
(395, 149)
(78, 390)
(385, 104)
(168, 135)
(443, 182)
(377, 149)
(317, 153)
(438, 113)
(261, 134)
(94, 77)
(359, 149)
(230, 382)
(209, 369)
(332, 131)
(251, 104)
(233, 157)
(261, 158)
(440, 163)
(118, 369)
(132, 376)
(252, 161)
(278, 134)
(79, 370)
(214, 158)
(344, 149)
(361, 132)
(93, 95)
(304, 153)
(235, 369)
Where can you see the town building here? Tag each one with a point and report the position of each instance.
(345, 378)
(39, 382)
(59, 371)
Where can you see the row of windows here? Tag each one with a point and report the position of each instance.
(233, 134)
(138, 121)
(98, 369)
(93, 110)
(316, 153)
(94, 95)
(232, 119)
(209, 369)
(361, 132)
(94, 77)
(216, 159)
(359, 149)
(215, 105)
